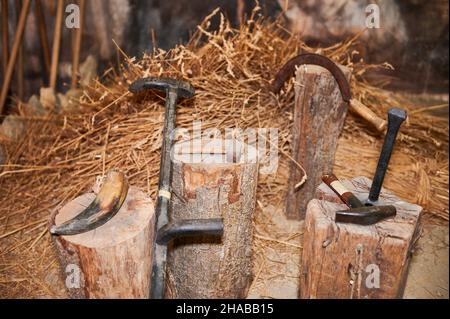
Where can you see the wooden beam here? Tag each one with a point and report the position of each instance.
(319, 115)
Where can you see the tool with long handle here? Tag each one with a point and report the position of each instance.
(165, 229)
(288, 71)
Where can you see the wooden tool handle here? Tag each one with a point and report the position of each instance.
(344, 194)
(368, 115)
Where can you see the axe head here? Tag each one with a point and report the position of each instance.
(365, 215)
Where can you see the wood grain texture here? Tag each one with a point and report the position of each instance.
(319, 115)
(114, 259)
(336, 257)
(205, 267)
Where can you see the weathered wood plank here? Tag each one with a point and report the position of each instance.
(319, 115)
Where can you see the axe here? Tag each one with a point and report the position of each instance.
(370, 212)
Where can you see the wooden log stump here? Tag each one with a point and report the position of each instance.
(114, 260)
(319, 115)
(353, 261)
(218, 184)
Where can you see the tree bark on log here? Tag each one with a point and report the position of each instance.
(354, 261)
(319, 115)
(114, 260)
(219, 185)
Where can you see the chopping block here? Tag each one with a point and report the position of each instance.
(349, 261)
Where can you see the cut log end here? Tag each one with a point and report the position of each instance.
(114, 259)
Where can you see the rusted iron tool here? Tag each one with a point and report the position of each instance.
(164, 229)
(396, 117)
(288, 70)
(370, 212)
(358, 213)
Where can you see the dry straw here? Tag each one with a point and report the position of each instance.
(61, 155)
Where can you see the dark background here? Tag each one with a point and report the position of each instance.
(413, 36)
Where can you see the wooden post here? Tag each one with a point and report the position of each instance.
(319, 115)
(42, 27)
(77, 46)
(218, 184)
(14, 52)
(20, 60)
(5, 37)
(114, 260)
(353, 261)
(56, 44)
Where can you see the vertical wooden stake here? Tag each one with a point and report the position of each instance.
(5, 37)
(42, 27)
(319, 115)
(14, 51)
(56, 44)
(240, 11)
(20, 64)
(77, 46)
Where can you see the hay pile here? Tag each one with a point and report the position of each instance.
(61, 155)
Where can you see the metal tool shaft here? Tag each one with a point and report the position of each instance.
(165, 229)
(162, 206)
(396, 117)
(189, 228)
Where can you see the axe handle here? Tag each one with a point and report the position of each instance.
(368, 115)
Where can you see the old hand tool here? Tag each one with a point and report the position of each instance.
(166, 230)
(288, 71)
(105, 205)
(370, 213)
(396, 117)
(358, 213)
